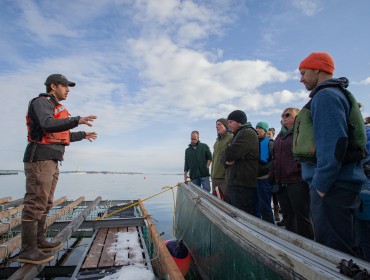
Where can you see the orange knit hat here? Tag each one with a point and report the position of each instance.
(319, 61)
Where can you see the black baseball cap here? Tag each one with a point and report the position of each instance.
(58, 79)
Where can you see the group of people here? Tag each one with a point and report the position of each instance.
(314, 169)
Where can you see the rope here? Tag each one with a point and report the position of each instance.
(167, 188)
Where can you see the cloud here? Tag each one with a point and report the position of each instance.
(365, 82)
(308, 7)
(149, 85)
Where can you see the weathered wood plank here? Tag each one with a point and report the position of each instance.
(13, 203)
(28, 271)
(18, 209)
(108, 256)
(10, 212)
(169, 266)
(93, 257)
(5, 199)
(12, 244)
(121, 257)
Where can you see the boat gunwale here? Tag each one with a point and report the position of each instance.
(295, 243)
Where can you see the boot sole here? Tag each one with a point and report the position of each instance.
(51, 249)
(36, 262)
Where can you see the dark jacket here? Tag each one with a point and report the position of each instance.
(283, 168)
(196, 160)
(244, 150)
(41, 112)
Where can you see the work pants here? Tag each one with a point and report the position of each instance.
(41, 180)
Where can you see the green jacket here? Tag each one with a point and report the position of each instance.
(218, 170)
(196, 160)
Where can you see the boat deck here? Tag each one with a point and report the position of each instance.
(100, 238)
(113, 248)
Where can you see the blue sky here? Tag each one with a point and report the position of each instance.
(153, 71)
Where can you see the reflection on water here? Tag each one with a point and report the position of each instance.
(109, 187)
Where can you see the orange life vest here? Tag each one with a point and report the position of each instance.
(62, 138)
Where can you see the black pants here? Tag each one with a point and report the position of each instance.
(333, 217)
(243, 198)
(294, 201)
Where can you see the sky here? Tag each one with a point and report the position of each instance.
(153, 71)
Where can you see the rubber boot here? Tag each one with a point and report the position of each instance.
(276, 213)
(30, 253)
(42, 243)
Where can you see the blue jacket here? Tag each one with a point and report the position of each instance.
(330, 113)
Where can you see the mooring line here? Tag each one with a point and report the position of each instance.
(167, 188)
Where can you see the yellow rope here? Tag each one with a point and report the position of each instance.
(167, 188)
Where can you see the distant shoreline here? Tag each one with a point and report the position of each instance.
(8, 173)
(15, 172)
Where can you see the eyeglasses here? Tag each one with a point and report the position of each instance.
(194, 139)
(286, 115)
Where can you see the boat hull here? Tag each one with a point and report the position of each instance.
(226, 243)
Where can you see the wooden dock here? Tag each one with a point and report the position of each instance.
(106, 251)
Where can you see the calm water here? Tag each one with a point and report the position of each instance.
(109, 186)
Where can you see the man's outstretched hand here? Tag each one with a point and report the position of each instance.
(87, 120)
(91, 136)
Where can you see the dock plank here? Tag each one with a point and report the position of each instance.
(108, 255)
(121, 257)
(92, 258)
(5, 199)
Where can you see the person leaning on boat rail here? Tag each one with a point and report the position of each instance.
(48, 124)
(198, 158)
(285, 175)
(329, 140)
(217, 169)
(240, 160)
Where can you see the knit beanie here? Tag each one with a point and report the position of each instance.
(263, 125)
(223, 121)
(318, 61)
(238, 116)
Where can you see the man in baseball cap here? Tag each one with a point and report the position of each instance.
(58, 79)
(49, 132)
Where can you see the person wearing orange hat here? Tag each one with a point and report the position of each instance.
(322, 141)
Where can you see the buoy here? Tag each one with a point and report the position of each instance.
(180, 254)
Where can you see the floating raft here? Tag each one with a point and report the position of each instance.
(227, 243)
(99, 240)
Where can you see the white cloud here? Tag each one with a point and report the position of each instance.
(308, 7)
(365, 82)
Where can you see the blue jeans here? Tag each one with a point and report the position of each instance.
(264, 194)
(203, 182)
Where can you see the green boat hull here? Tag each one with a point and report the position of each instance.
(226, 243)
